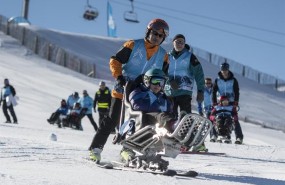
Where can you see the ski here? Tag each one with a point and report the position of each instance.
(114, 165)
(169, 172)
(204, 153)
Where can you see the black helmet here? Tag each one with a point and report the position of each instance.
(154, 76)
(225, 66)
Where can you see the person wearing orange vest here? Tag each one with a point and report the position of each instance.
(130, 63)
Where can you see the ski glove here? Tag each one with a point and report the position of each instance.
(200, 96)
(121, 80)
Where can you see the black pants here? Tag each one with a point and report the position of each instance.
(101, 116)
(183, 102)
(238, 131)
(107, 125)
(90, 117)
(11, 110)
(237, 128)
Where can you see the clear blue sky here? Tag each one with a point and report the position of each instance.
(251, 32)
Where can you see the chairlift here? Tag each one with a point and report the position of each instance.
(131, 16)
(90, 12)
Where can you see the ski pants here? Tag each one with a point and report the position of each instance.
(183, 102)
(11, 110)
(108, 124)
(102, 115)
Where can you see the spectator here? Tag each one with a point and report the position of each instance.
(72, 99)
(86, 103)
(7, 97)
(103, 100)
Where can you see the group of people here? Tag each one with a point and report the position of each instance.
(221, 97)
(166, 82)
(72, 110)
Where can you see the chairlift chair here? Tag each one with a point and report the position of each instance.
(90, 12)
(131, 16)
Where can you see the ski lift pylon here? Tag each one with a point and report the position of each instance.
(131, 16)
(90, 12)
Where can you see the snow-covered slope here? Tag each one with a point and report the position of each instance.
(28, 157)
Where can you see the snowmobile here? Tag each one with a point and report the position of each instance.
(150, 142)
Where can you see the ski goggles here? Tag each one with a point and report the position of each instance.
(157, 81)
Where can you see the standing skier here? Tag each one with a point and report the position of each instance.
(7, 95)
(227, 85)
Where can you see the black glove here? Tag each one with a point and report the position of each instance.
(200, 96)
(139, 79)
(121, 80)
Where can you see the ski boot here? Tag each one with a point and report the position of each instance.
(95, 155)
(200, 148)
(127, 155)
(238, 141)
(213, 139)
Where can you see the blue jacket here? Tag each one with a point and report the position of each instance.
(142, 99)
(71, 100)
(62, 110)
(86, 102)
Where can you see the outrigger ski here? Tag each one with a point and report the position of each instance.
(121, 166)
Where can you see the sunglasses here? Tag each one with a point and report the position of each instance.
(157, 81)
(208, 83)
(155, 33)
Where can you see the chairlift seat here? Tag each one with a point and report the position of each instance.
(131, 16)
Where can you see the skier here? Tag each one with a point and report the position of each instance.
(149, 98)
(227, 85)
(74, 117)
(222, 116)
(206, 105)
(131, 61)
(7, 94)
(184, 70)
(59, 114)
